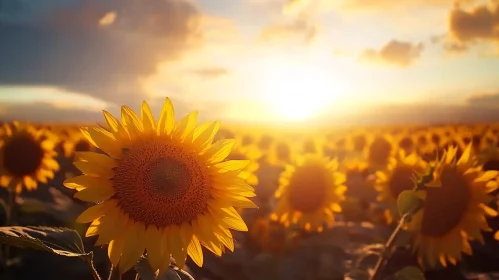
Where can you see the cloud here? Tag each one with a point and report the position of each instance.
(376, 5)
(40, 112)
(484, 100)
(423, 114)
(70, 48)
(479, 23)
(213, 72)
(301, 29)
(395, 52)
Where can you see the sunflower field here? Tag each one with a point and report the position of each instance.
(139, 197)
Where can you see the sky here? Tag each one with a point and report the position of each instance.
(252, 61)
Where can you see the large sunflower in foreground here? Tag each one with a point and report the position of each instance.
(163, 188)
(309, 193)
(396, 178)
(27, 156)
(454, 209)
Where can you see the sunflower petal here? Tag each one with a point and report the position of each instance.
(219, 151)
(95, 194)
(96, 211)
(147, 118)
(204, 134)
(84, 181)
(166, 120)
(103, 140)
(186, 126)
(195, 252)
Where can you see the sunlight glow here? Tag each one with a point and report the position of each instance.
(298, 93)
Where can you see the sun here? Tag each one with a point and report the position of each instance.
(300, 92)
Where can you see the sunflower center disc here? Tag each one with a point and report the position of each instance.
(22, 155)
(491, 165)
(401, 181)
(445, 206)
(307, 188)
(159, 183)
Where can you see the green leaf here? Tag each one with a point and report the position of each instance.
(406, 201)
(407, 273)
(60, 241)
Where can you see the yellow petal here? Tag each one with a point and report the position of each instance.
(94, 228)
(103, 140)
(117, 128)
(204, 134)
(487, 176)
(95, 194)
(176, 246)
(147, 118)
(94, 212)
(115, 249)
(134, 247)
(195, 252)
(166, 120)
(185, 127)
(95, 170)
(153, 247)
(219, 151)
(233, 165)
(83, 181)
(97, 158)
(112, 122)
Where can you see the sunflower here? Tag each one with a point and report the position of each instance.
(74, 141)
(27, 156)
(251, 153)
(280, 154)
(311, 145)
(161, 187)
(454, 209)
(309, 193)
(379, 151)
(397, 177)
(266, 235)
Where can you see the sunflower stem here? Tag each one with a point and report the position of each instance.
(388, 248)
(90, 262)
(114, 274)
(10, 215)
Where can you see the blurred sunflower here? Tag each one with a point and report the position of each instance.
(280, 153)
(265, 142)
(251, 153)
(309, 193)
(396, 178)
(311, 145)
(454, 209)
(163, 188)
(268, 236)
(27, 156)
(74, 141)
(489, 158)
(406, 142)
(379, 151)
(359, 141)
